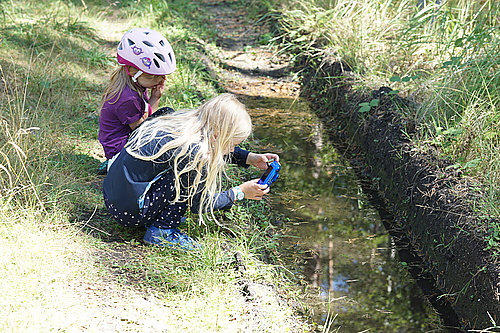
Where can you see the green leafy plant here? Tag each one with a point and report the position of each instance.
(367, 106)
(493, 239)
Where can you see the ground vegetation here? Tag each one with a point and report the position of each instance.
(66, 261)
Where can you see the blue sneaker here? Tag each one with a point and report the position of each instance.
(170, 237)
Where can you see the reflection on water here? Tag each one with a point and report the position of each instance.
(349, 260)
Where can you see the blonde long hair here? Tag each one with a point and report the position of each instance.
(118, 80)
(201, 138)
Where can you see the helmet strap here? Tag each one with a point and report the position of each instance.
(139, 73)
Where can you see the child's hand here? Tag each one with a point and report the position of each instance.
(260, 160)
(253, 190)
(157, 91)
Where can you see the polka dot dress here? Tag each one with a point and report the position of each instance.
(157, 209)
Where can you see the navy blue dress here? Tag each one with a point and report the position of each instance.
(138, 192)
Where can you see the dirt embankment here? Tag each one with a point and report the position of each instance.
(424, 205)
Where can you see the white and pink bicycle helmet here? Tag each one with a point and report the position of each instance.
(146, 50)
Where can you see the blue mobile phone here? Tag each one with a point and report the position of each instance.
(271, 174)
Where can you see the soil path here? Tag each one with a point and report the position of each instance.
(244, 66)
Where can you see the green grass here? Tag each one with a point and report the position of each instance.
(40, 260)
(66, 265)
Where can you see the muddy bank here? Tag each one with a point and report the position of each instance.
(423, 204)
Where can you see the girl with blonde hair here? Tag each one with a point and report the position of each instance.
(178, 160)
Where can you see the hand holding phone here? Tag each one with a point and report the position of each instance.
(271, 174)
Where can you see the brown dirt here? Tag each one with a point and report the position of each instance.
(242, 65)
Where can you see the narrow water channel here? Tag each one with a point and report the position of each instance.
(354, 278)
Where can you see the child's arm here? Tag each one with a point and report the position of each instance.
(154, 101)
(135, 124)
(260, 160)
(225, 200)
(245, 158)
(254, 191)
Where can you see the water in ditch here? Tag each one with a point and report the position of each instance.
(348, 262)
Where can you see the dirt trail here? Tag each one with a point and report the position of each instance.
(245, 67)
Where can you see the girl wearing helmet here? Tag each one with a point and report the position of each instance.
(134, 89)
